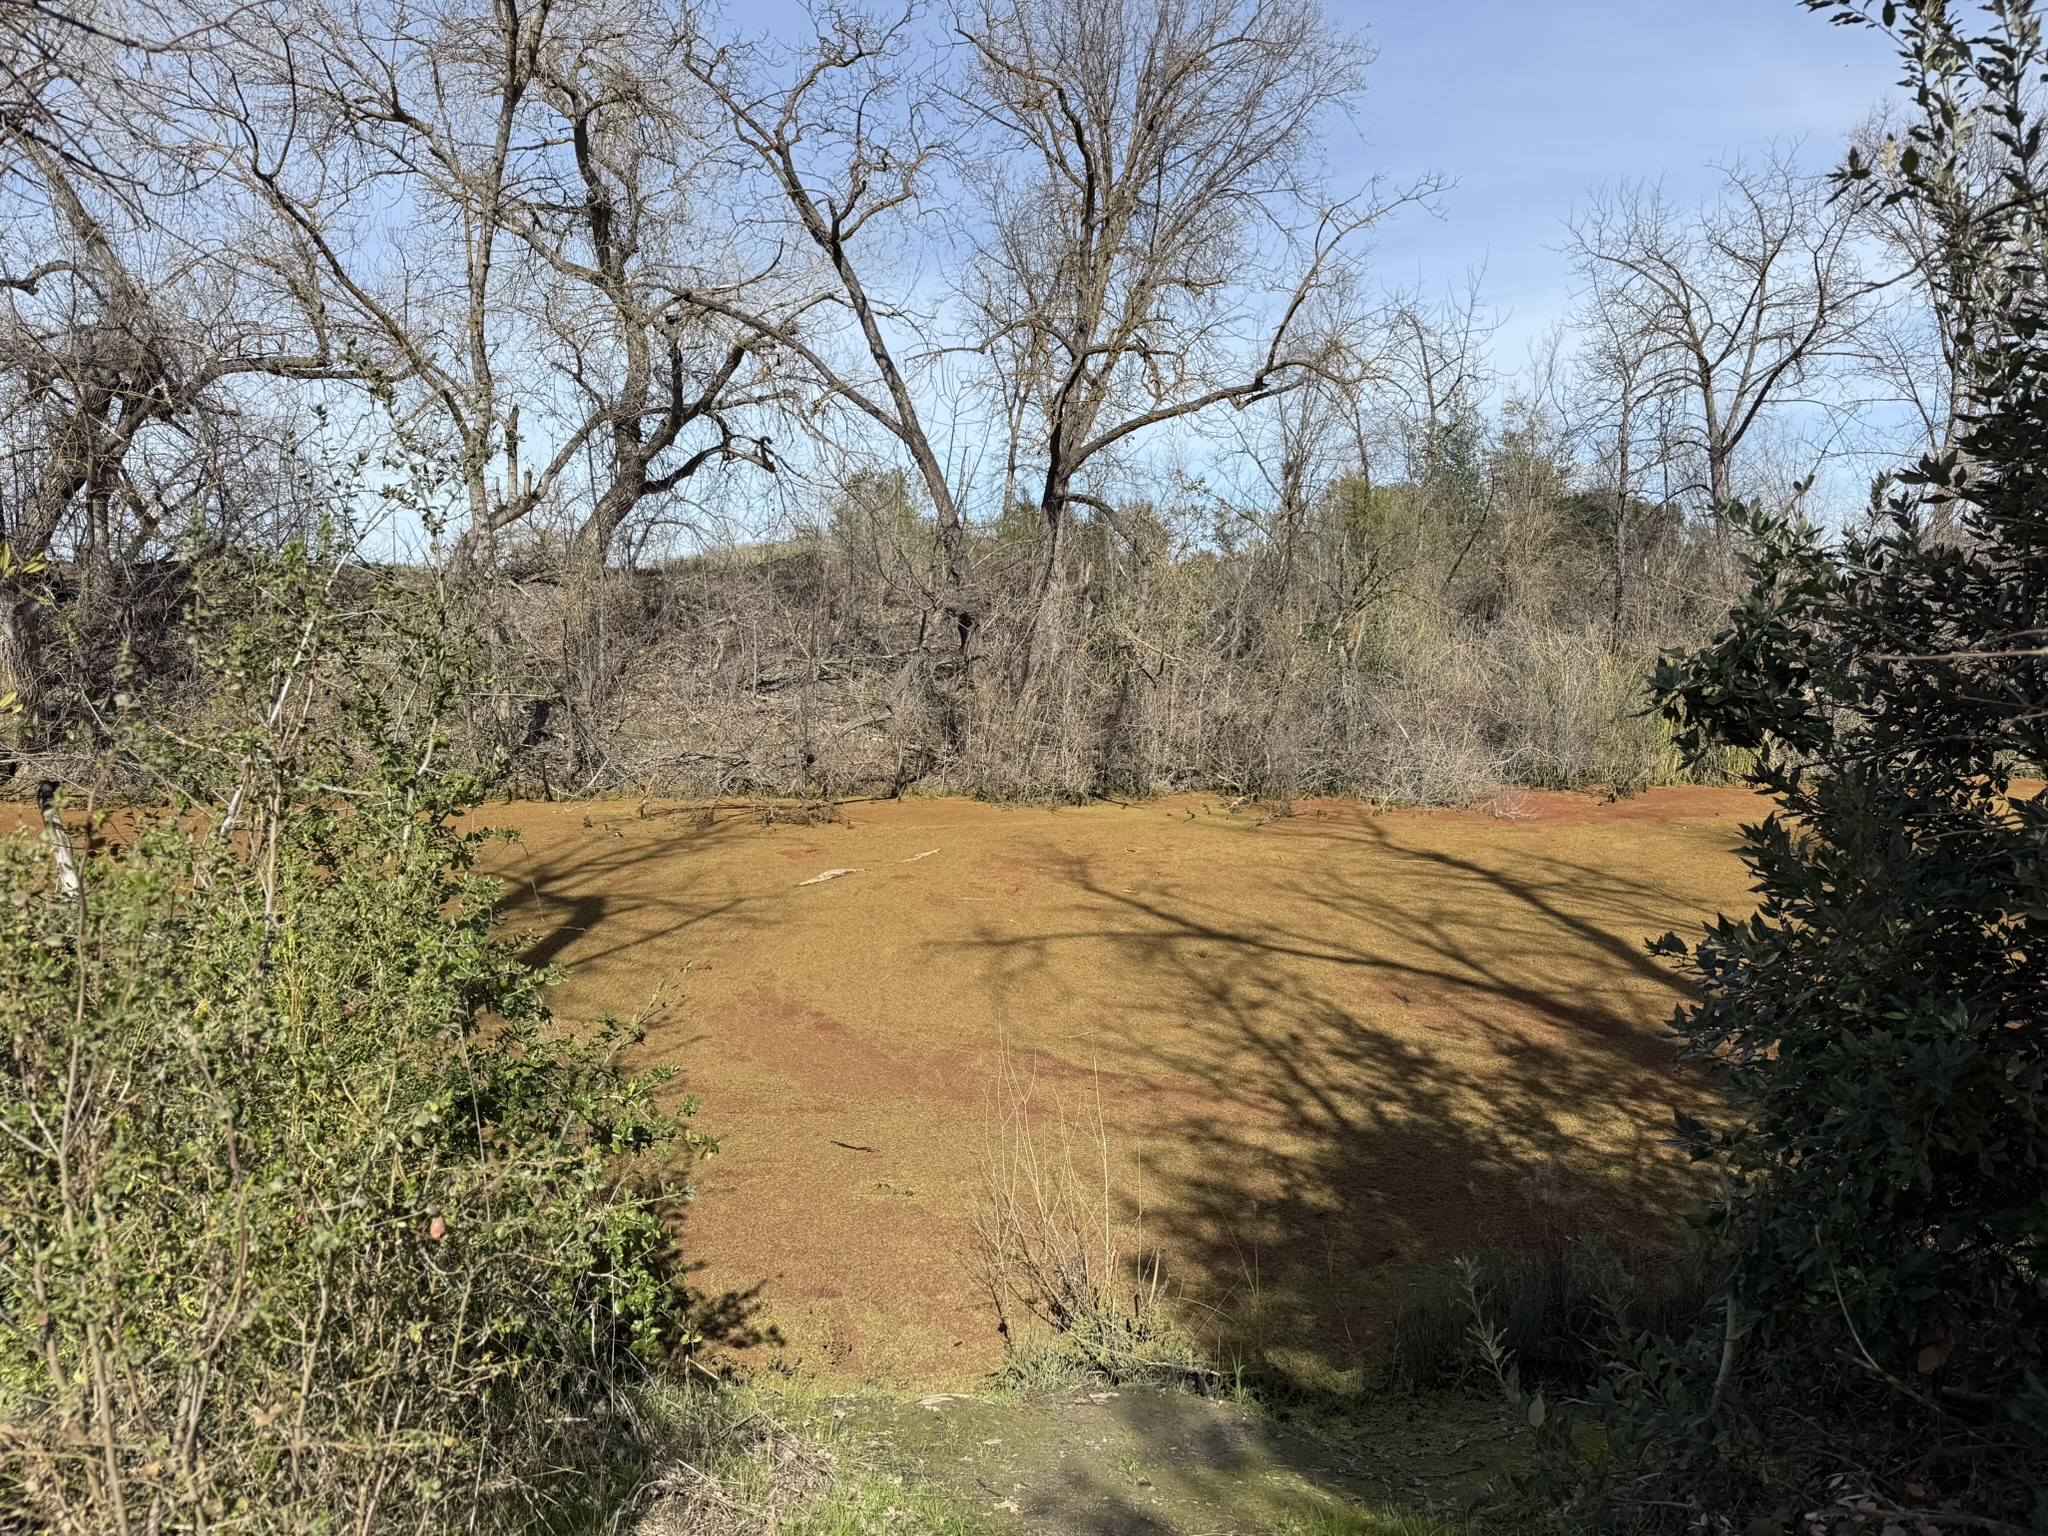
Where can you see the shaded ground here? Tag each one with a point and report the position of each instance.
(1149, 1463)
(1327, 1047)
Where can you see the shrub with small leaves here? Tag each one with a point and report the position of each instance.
(1881, 1019)
(312, 1220)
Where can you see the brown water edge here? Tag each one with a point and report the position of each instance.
(1328, 1047)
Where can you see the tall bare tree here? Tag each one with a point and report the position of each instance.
(124, 309)
(1750, 303)
(1938, 299)
(848, 137)
(547, 164)
(1626, 425)
(1436, 376)
(1155, 233)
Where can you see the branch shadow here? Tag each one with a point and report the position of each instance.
(1346, 1082)
(1151, 1461)
(557, 893)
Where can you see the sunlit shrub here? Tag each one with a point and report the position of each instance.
(312, 1221)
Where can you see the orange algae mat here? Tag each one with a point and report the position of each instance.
(1326, 1047)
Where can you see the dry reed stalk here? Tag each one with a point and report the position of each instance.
(1052, 1248)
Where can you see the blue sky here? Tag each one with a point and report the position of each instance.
(1530, 104)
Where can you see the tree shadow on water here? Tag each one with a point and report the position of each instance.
(1345, 1076)
(590, 890)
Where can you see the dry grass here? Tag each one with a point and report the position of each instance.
(1072, 1283)
(728, 1473)
(738, 1459)
(1393, 662)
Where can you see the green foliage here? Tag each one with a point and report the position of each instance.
(1450, 468)
(876, 507)
(1552, 1315)
(312, 1220)
(1378, 524)
(1881, 1020)
(1018, 523)
(1881, 1016)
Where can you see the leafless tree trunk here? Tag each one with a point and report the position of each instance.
(1626, 423)
(1138, 160)
(846, 140)
(1741, 307)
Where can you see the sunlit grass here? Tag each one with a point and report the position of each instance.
(866, 1503)
(1367, 1522)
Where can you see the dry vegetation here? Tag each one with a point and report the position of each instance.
(1387, 645)
(406, 400)
(1060, 1253)
(996, 402)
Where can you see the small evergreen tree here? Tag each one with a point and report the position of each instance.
(1883, 1017)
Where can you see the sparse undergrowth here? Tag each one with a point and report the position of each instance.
(1075, 1293)
(751, 1457)
(1553, 1314)
(739, 1460)
(1366, 1522)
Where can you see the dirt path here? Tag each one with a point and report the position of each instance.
(1326, 1046)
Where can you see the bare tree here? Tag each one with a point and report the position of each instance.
(1749, 304)
(1938, 297)
(125, 310)
(550, 167)
(1436, 376)
(1155, 234)
(1295, 444)
(1626, 425)
(846, 135)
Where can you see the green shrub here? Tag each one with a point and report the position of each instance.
(1552, 1315)
(1881, 1019)
(311, 1221)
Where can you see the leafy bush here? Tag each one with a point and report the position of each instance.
(1882, 1019)
(311, 1220)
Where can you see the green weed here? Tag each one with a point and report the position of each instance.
(1554, 1312)
(1367, 1522)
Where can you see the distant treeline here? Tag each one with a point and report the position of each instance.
(993, 397)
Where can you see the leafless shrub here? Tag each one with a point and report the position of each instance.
(796, 669)
(1062, 1262)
